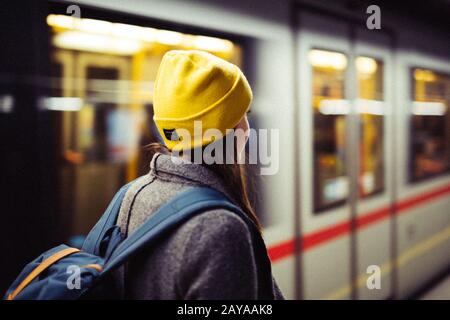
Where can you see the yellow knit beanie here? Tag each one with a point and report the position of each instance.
(194, 85)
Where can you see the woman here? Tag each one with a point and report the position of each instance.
(210, 256)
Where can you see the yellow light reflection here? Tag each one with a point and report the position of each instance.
(366, 65)
(327, 59)
(424, 75)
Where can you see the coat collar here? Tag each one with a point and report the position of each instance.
(171, 168)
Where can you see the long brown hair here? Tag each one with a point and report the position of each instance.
(238, 179)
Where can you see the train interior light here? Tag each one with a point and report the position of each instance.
(118, 38)
(327, 59)
(84, 41)
(428, 108)
(366, 65)
(62, 103)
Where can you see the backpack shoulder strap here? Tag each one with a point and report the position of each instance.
(167, 217)
(182, 207)
(91, 243)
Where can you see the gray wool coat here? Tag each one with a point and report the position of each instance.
(210, 256)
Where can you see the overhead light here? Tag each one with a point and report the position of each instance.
(76, 40)
(101, 27)
(94, 26)
(6, 103)
(334, 106)
(86, 25)
(327, 59)
(131, 32)
(212, 44)
(366, 65)
(134, 32)
(61, 21)
(169, 37)
(61, 103)
(426, 108)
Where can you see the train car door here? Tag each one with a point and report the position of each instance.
(323, 62)
(97, 75)
(423, 179)
(373, 149)
(345, 187)
(82, 136)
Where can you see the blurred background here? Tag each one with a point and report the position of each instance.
(363, 119)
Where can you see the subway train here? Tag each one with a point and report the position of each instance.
(358, 207)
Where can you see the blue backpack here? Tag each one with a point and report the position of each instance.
(70, 273)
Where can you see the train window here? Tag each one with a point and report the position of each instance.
(331, 184)
(369, 105)
(103, 74)
(430, 124)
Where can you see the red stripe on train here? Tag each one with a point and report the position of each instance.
(287, 248)
(281, 250)
(414, 201)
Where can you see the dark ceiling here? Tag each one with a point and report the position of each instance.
(430, 12)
